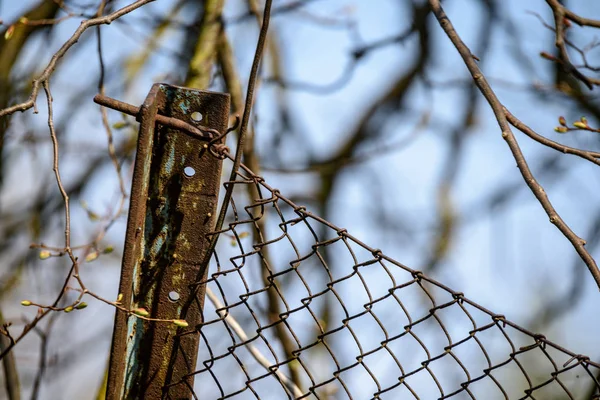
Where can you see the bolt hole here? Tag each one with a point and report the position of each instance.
(173, 296)
(189, 171)
(196, 116)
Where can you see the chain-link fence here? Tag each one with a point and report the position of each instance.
(299, 308)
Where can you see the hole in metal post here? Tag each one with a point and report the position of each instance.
(196, 116)
(189, 171)
(173, 296)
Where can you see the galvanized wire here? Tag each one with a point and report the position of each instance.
(360, 324)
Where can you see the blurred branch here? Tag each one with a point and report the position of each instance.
(44, 338)
(136, 62)
(109, 134)
(561, 15)
(12, 43)
(201, 64)
(252, 6)
(226, 60)
(11, 375)
(538, 191)
(507, 193)
(391, 100)
(566, 302)
(362, 157)
(230, 322)
(357, 55)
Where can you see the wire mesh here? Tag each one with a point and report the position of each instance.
(299, 308)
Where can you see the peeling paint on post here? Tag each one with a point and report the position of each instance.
(175, 189)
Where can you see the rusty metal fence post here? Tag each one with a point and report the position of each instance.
(173, 202)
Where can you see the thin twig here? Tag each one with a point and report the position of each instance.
(56, 169)
(591, 156)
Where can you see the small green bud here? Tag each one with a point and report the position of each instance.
(25, 303)
(9, 32)
(142, 312)
(108, 249)
(119, 125)
(584, 120)
(181, 322)
(580, 125)
(44, 254)
(561, 129)
(81, 305)
(119, 297)
(91, 257)
(68, 309)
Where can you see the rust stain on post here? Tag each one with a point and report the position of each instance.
(175, 189)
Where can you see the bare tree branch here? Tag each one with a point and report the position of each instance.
(507, 134)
